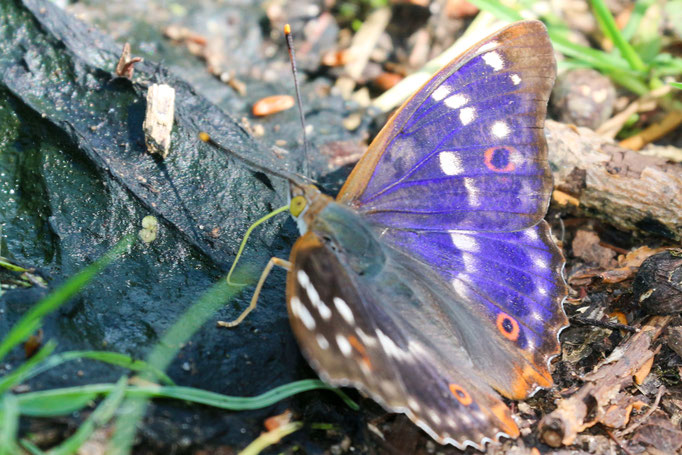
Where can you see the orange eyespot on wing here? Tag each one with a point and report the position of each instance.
(460, 394)
(508, 326)
(499, 159)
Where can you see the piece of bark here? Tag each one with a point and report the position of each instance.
(158, 121)
(591, 403)
(624, 188)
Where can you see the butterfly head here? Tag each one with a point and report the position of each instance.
(306, 201)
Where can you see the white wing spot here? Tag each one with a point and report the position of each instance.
(516, 79)
(440, 93)
(450, 163)
(537, 316)
(322, 342)
(472, 191)
(469, 262)
(542, 290)
(412, 403)
(367, 339)
(493, 60)
(460, 287)
(343, 308)
(435, 418)
(314, 297)
(456, 101)
(389, 346)
(299, 310)
(344, 345)
(500, 129)
(467, 115)
(388, 387)
(541, 263)
(531, 234)
(464, 242)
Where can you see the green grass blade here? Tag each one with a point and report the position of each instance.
(635, 18)
(610, 29)
(113, 358)
(9, 424)
(57, 402)
(19, 374)
(677, 85)
(31, 448)
(594, 57)
(163, 353)
(9, 266)
(33, 318)
(99, 417)
(38, 403)
(265, 440)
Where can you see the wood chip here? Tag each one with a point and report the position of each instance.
(158, 121)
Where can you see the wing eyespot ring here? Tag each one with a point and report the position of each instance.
(499, 159)
(460, 394)
(508, 326)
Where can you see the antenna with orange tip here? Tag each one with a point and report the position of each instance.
(292, 58)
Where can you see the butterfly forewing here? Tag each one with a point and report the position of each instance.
(350, 335)
(467, 151)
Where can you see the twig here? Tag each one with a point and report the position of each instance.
(618, 441)
(605, 324)
(655, 131)
(645, 103)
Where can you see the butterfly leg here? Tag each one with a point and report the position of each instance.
(286, 265)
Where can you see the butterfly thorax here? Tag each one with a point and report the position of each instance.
(341, 229)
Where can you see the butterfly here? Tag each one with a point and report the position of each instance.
(432, 283)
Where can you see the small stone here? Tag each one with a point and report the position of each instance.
(583, 97)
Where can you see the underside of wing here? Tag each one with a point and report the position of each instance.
(376, 340)
(467, 151)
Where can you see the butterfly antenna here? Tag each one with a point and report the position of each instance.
(292, 58)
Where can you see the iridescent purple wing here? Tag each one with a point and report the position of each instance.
(514, 281)
(467, 151)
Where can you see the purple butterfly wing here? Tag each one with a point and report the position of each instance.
(467, 151)
(357, 330)
(514, 281)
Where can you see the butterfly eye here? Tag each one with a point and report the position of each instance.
(297, 205)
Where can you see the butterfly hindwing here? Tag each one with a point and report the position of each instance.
(347, 331)
(514, 280)
(467, 151)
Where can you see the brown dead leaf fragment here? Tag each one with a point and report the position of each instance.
(592, 401)
(617, 415)
(586, 245)
(660, 434)
(33, 343)
(277, 421)
(629, 264)
(126, 65)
